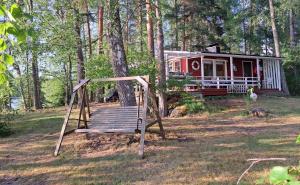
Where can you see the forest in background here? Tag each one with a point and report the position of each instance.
(61, 41)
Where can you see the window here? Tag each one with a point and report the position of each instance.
(220, 69)
(175, 66)
(208, 68)
(215, 68)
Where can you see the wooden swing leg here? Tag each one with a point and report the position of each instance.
(161, 128)
(87, 103)
(82, 109)
(142, 141)
(63, 129)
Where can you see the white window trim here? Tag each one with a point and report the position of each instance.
(214, 62)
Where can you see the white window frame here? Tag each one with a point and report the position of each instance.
(214, 63)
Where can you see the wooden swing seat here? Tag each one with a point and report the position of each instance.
(114, 119)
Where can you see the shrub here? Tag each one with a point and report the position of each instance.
(193, 105)
(5, 119)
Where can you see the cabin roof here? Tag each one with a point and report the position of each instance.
(188, 54)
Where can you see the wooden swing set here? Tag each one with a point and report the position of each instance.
(129, 119)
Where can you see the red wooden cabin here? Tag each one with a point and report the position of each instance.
(213, 73)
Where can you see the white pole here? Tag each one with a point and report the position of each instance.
(231, 70)
(187, 64)
(202, 71)
(268, 73)
(225, 69)
(258, 72)
(265, 74)
(278, 75)
(214, 69)
(218, 82)
(167, 67)
(273, 74)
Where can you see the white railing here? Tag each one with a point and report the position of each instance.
(237, 85)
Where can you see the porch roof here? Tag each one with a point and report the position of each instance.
(180, 54)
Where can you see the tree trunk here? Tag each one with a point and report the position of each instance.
(67, 91)
(29, 98)
(184, 31)
(88, 28)
(100, 90)
(80, 59)
(100, 28)
(292, 28)
(70, 82)
(274, 29)
(176, 23)
(161, 66)
(36, 82)
(277, 49)
(118, 57)
(126, 29)
(18, 71)
(292, 37)
(150, 35)
(140, 23)
(35, 71)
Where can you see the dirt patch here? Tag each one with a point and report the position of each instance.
(229, 103)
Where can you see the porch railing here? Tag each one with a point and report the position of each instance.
(237, 85)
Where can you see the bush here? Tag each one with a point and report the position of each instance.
(53, 91)
(5, 119)
(193, 105)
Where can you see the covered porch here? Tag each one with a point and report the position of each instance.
(217, 71)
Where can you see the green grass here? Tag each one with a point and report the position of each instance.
(208, 149)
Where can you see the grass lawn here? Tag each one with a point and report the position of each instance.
(200, 149)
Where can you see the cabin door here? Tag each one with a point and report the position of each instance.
(247, 69)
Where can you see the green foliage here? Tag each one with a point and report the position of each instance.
(178, 84)
(285, 175)
(53, 91)
(193, 105)
(298, 140)
(140, 63)
(282, 176)
(5, 93)
(98, 67)
(9, 29)
(292, 69)
(5, 119)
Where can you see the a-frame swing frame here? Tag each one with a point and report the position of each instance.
(81, 87)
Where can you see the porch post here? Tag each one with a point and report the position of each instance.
(167, 67)
(202, 71)
(258, 72)
(278, 75)
(231, 70)
(187, 65)
(265, 74)
(225, 70)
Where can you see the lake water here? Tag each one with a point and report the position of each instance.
(16, 103)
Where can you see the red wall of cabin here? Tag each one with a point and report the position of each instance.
(238, 62)
(194, 72)
(183, 65)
